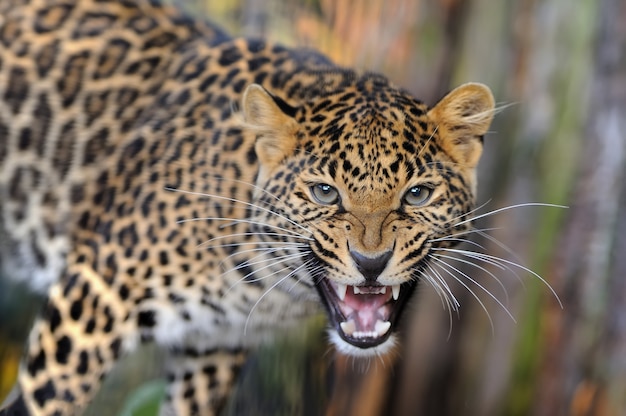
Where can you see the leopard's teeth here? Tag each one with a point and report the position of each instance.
(348, 327)
(341, 290)
(380, 290)
(395, 290)
(381, 327)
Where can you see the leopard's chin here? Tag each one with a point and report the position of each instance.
(364, 318)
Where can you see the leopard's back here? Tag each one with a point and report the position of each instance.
(75, 80)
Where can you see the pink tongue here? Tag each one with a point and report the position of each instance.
(365, 310)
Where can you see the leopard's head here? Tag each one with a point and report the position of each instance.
(364, 185)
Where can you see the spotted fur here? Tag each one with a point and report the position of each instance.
(160, 181)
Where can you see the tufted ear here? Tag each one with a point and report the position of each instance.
(272, 120)
(463, 117)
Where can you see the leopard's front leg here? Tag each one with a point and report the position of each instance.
(77, 339)
(199, 381)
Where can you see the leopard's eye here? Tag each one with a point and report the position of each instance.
(418, 195)
(325, 194)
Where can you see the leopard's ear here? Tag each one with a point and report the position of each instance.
(272, 121)
(462, 118)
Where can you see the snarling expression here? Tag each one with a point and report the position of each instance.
(372, 182)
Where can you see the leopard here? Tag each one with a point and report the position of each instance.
(163, 182)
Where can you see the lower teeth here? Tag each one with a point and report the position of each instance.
(380, 329)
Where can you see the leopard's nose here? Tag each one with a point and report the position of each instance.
(371, 267)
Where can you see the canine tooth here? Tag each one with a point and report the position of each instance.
(348, 328)
(381, 327)
(341, 291)
(395, 290)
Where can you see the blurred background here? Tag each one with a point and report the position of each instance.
(558, 71)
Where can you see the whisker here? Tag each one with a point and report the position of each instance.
(447, 301)
(312, 272)
(243, 279)
(243, 221)
(478, 208)
(238, 201)
(499, 244)
(493, 262)
(248, 263)
(259, 243)
(294, 271)
(460, 240)
(428, 141)
(246, 234)
(528, 204)
(263, 250)
(258, 279)
(443, 296)
(473, 254)
(506, 293)
(464, 232)
(484, 289)
(453, 302)
(252, 185)
(445, 267)
(485, 257)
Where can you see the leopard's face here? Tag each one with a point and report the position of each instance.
(363, 187)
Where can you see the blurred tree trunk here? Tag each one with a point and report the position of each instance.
(584, 366)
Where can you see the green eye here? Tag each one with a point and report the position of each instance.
(325, 194)
(418, 195)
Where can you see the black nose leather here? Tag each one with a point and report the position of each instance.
(371, 267)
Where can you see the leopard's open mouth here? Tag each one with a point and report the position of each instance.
(364, 316)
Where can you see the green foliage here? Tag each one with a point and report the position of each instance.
(145, 400)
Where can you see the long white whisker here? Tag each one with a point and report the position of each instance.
(313, 272)
(256, 187)
(428, 141)
(446, 267)
(478, 208)
(461, 240)
(451, 304)
(245, 221)
(246, 234)
(238, 201)
(484, 289)
(493, 262)
(499, 244)
(258, 279)
(264, 251)
(452, 300)
(485, 257)
(248, 263)
(506, 293)
(464, 232)
(438, 290)
(528, 204)
(262, 243)
(473, 255)
(294, 271)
